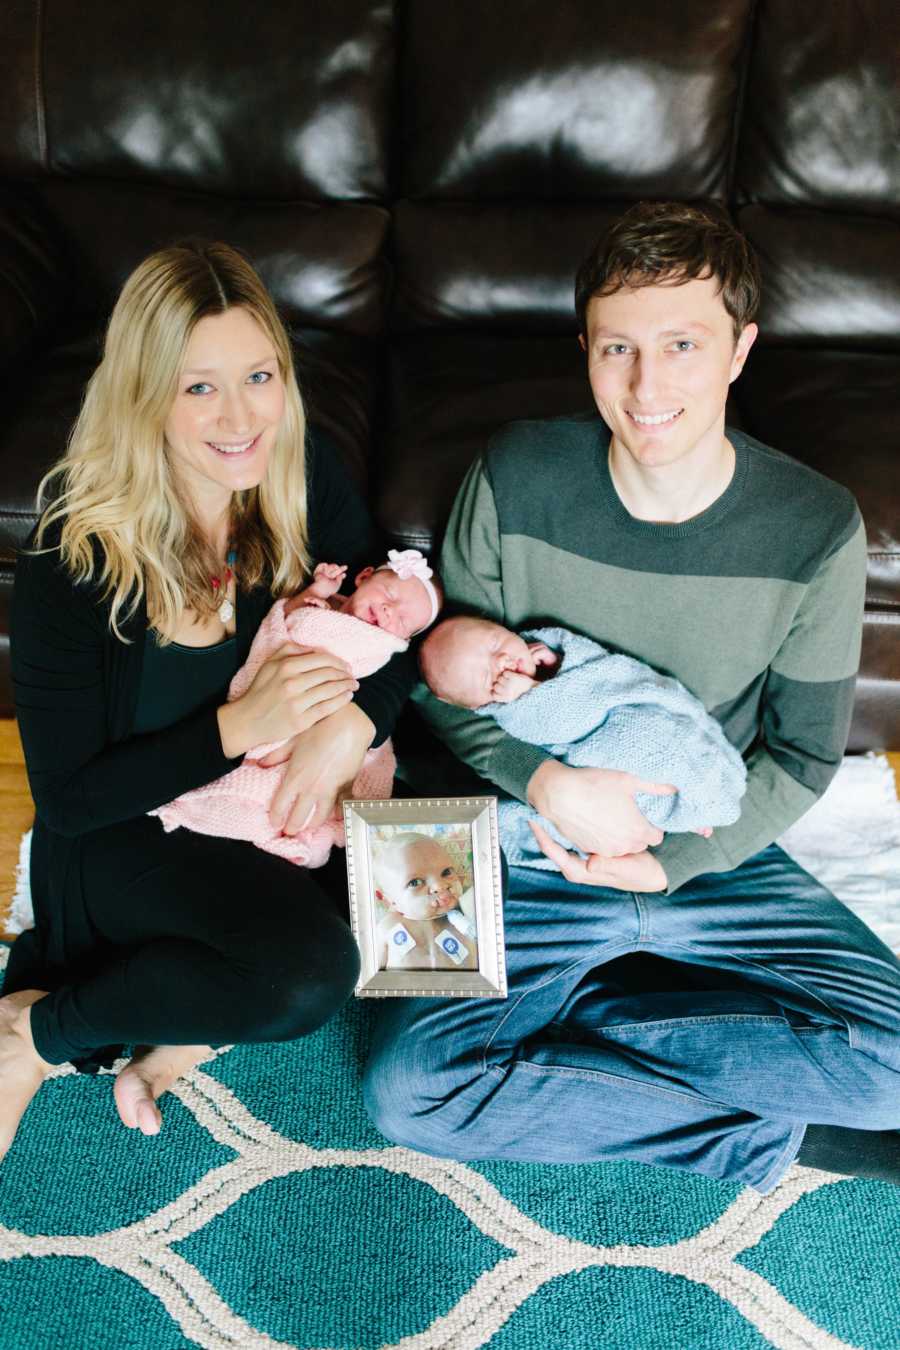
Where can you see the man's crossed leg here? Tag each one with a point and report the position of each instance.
(798, 1021)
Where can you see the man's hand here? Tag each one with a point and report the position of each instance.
(595, 808)
(322, 764)
(630, 872)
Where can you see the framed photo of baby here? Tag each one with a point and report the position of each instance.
(426, 900)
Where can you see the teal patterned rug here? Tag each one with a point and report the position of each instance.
(270, 1213)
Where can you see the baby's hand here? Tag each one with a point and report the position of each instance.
(542, 655)
(511, 685)
(326, 582)
(304, 600)
(328, 579)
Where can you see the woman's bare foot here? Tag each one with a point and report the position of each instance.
(21, 1068)
(151, 1072)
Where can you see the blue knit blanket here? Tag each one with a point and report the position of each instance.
(610, 711)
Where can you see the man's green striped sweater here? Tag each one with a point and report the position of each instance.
(755, 605)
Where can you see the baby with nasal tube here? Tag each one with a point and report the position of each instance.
(429, 923)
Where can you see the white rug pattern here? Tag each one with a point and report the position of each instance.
(144, 1250)
(851, 841)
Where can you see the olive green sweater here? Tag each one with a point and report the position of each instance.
(755, 605)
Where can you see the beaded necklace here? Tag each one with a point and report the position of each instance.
(226, 608)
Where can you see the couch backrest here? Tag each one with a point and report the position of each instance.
(417, 182)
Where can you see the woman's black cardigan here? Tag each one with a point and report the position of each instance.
(76, 688)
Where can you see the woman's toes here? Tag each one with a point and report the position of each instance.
(149, 1120)
(151, 1073)
(129, 1091)
(22, 1071)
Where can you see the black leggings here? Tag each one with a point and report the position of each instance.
(198, 941)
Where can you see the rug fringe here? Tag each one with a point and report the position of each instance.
(21, 915)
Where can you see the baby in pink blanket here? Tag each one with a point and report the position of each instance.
(389, 605)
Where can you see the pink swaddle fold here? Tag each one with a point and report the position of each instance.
(236, 806)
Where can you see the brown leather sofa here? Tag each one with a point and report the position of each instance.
(417, 181)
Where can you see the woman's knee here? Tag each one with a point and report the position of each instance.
(302, 985)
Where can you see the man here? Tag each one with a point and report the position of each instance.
(741, 572)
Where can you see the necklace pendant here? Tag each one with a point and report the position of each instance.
(226, 611)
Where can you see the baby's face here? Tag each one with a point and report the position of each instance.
(382, 599)
(482, 653)
(420, 880)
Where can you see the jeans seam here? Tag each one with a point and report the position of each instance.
(761, 1019)
(643, 918)
(591, 1075)
(769, 970)
(779, 1167)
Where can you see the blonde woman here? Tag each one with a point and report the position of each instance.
(190, 496)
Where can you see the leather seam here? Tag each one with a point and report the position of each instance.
(40, 103)
(737, 127)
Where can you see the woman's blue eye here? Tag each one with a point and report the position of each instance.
(685, 345)
(200, 388)
(260, 377)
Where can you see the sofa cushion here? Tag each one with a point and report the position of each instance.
(521, 98)
(820, 120)
(282, 102)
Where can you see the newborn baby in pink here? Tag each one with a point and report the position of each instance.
(389, 605)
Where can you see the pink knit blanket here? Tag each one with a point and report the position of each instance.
(236, 806)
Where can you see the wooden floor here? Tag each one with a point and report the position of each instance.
(16, 810)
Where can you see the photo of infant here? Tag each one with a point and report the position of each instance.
(424, 898)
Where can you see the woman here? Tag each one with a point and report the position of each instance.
(185, 503)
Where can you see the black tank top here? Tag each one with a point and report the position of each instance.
(176, 680)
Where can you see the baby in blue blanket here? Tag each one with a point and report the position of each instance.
(587, 707)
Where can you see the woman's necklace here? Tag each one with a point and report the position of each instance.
(226, 608)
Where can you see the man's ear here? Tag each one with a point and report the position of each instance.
(363, 576)
(742, 350)
(581, 342)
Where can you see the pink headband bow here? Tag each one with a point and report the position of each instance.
(408, 563)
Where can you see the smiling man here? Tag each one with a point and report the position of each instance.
(658, 532)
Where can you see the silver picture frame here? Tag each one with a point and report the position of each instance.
(458, 951)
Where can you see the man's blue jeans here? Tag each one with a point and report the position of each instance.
(796, 1019)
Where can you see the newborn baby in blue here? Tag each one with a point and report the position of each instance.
(587, 707)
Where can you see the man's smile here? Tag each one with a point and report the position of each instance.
(650, 420)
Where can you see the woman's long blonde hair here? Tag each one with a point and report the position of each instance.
(115, 487)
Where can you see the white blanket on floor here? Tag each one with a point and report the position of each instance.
(850, 841)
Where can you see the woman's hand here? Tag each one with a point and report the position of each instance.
(630, 872)
(595, 808)
(290, 693)
(322, 764)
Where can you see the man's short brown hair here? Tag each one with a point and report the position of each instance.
(667, 243)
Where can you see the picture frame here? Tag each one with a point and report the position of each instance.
(426, 897)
